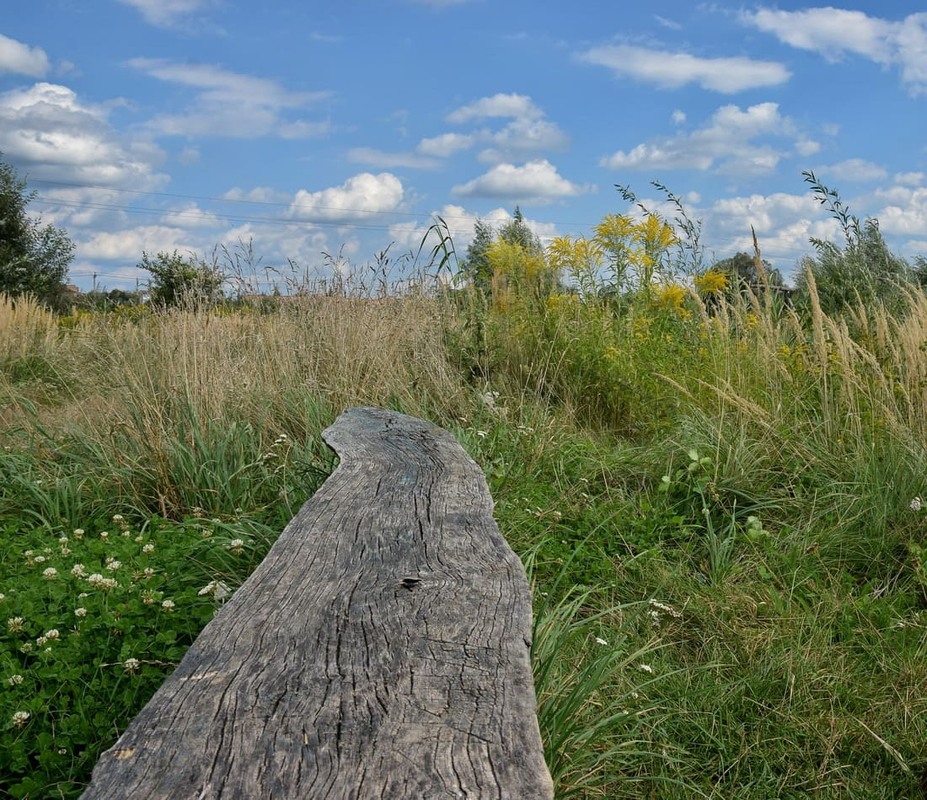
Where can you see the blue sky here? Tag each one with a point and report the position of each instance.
(342, 127)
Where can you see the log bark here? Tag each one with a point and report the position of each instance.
(381, 649)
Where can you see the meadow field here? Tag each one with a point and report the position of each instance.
(717, 496)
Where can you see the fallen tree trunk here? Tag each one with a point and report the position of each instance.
(380, 650)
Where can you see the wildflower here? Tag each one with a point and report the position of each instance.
(112, 564)
(40, 559)
(168, 605)
(139, 539)
(63, 540)
(131, 665)
(237, 545)
(78, 533)
(15, 680)
(52, 635)
(149, 597)
(29, 553)
(666, 609)
(50, 573)
(104, 534)
(80, 613)
(65, 550)
(916, 504)
(117, 518)
(147, 572)
(15, 624)
(20, 718)
(97, 581)
(79, 571)
(217, 589)
(42, 641)
(148, 548)
(2, 597)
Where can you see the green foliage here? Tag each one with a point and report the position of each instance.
(34, 258)
(93, 621)
(183, 281)
(863, 270)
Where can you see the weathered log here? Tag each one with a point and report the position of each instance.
(380, 650)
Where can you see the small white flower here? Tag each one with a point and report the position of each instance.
(217, 589)
(63, 540)
(20, 718)
(2, 597)
(104, 534)
(916, 504)
(52, 634)
(117, 518)
(15, 680)
(80, 613)
(79, 571)
(40, 559)
(237, 545)
(131, 665)
(147, 572)
(50, 573)
(148, 548)
(168, 605)
(113, 565)
(78, 533)
(42, 641)
(15, 624)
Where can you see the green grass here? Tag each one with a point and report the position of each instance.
(730, 580)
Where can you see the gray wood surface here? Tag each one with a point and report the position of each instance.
(381, 650)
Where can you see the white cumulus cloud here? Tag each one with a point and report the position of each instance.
(21, 59)
(835, 33)
(499, 105)
(384, 160)
(52, 135)
(358, 198)
(735, 140)
(445, 145)
(536, 181)
(671, 70)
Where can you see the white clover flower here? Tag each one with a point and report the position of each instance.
(104, 534)
(147, 572)
(29, 553)
(236, 545)
(131, 665)
(2, 597)
(217, 589)
(168, 605)
(15, 680)
(78, 533)
(113, 565)
(50, 573)
(79, 571)
(42, 641)
(15, 624)
(97, 581)
(148, 548)
(82, 595)
(80, 613)
(26, 648)
(916, 504)
(65, 550)
(40, 559)
(52, 634)
(21, 718)
(149, 597)
(117, 518)
(63, 540)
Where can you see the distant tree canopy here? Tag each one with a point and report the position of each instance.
(864, 271)
(34, 258)
(185, 281)
(741, 271)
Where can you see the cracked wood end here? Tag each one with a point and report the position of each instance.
(380, 650)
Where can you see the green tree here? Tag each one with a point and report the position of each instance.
(185, 281)
(742, 273)
(476, 264)
(517, 232)
(34, 258)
